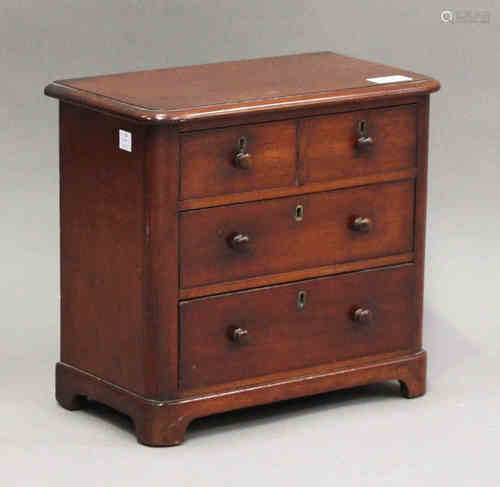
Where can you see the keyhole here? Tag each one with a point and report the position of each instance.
(301, 299)
(362, 127)
(242, 143)
(299, 213)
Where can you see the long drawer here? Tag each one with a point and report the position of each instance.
(253, 333)
(240, 241)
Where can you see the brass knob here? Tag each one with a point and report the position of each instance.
(364, 142)
(362, 315)
(361, 224)
(243, 160)
(239, 242)
(238, 334)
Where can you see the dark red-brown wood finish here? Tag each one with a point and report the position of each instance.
(210, 165)
(294, 326)
(276, 242)
(262, 240)
(220, 90)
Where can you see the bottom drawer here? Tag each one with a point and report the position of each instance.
(253, 333)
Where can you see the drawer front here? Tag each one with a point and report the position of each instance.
(238, 159)
(337, 146)
(254, 333)
(239, 241)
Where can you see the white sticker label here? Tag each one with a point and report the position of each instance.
(125, 140)
(395, 78)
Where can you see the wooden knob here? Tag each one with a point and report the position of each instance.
(361, 224)
(362, 315)
(239, 242)
(238, 334)
(243, 160)
(364, 143)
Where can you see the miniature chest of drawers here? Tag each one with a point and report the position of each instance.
(240, 233)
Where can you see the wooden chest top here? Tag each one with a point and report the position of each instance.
(226, 89)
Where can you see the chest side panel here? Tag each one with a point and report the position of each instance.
(102, 247)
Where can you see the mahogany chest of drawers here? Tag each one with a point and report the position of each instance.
(240, 233)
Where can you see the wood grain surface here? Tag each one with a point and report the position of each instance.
(282, 336)
(278, 243)
(174, 95)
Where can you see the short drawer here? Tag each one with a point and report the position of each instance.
(358, 143)
(238, 159)
(254, 333)
(239, 241)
